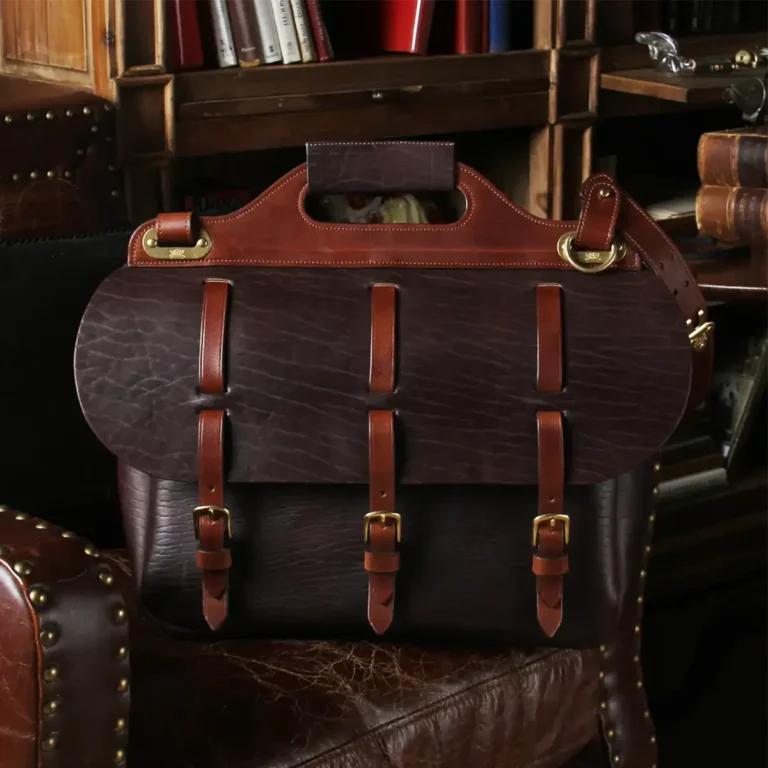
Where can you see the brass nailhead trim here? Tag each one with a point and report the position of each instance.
(86, 110)
(106, 578)
(637, 629)
(33, 175)
(119, 616)
(41, 526)
(49, 636)
(122, 685)
(23, 567)
(639, 600)
(67, 174)
(50, 708)
(22, 516)
(639, 683)
(3, 508)
(15, 177)
(646, 714)
(8, 119)
(604, 193)
(30, 117)
(603, 705)
(642, 574)
(657, 467)
(122, 653)
(49, 115)
(648, 550)
(119, 756)
(51, 674)
(68, 535)
(94, 129)
(611, 734)
(602, 649)
(120, 725)
(616, 759)
(51, 174)
(652, 518)
(38, 597)
(653, 739)
(51, 742)
(636, 659)
(69, 113)
(90, 550)
(602, 675)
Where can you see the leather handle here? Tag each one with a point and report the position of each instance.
(176, 229)
(380, 166)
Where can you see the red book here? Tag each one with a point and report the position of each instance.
(485, 25)
(319, 32)
(469, 16)
(186, 45)
(405, 25)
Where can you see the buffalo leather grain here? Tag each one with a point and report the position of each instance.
(549, 338)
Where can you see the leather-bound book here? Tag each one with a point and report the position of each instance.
(406, 24)
(736, 158)
(242, 17)
(469, 15)
(319, 32)
(186, 46)
(733, 214)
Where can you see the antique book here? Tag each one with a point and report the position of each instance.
(733, 214)
(265, 22)
(469, 15)
(406, 24)
(222, 33)
(734, 158)
(185, 43)
(319, 32)
(286, 31)
(242, 17)
(303, 31)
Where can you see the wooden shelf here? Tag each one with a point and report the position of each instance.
(274, 106)
(732, 278)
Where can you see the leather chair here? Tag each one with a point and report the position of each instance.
(86, 681)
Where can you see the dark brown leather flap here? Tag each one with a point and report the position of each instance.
(380, 166)
(298, 355)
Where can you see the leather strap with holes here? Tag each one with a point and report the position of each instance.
(551, 526)
(212, 522)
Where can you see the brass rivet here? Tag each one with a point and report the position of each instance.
(119, 615)
(49, 115)
(50, 708)
(115, 193)
(646, 714)
(86, 110)
(51, 174)
(151, 242)
(120, 725)
(656, 491)
(603, 705)
(94, 129)
(21, 516)
(616, 759)
(637, 629)
(652, 518)
(81, 152)
(119, 756)
(642, 574)
(657, 467)
(49, 636)
(4, 551)
(639, 600)
(15, 177)
(67, 174)
(38, 597)
(611, 734)
(90, 550)
(648, 550)
(106, 578)
(8, 119)
(41, 526)
(636, 659)
(30, 116)
(69, 113)
(604, 193)
(33, 175)
(653, 739)
(51, 742)
(122, 653)
(3, 508)
(122, 685)
(602, 675)
(602, 649)
(51, 674)
(201, 243)
(23, 567)
(68, 535)
(639, 683)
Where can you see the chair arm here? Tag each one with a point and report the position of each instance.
(64, 675)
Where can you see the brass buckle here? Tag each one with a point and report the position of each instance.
(699, 336)
(589, 262)
(176, 252)
(551, 519)
(216, 513)
(383, 517)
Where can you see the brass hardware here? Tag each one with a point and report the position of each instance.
(653, 739)
(648, 550)
(30, 117)
(94, 129)
(33, 175)
(611, 734)
(605, 193)
(176, 252)
(119, 616)
(646, 714)
(23, 567)
(603, 649)
(4, 508)
(216, 513)
(48, 636)
(38, 597)
(15, 177)
(49, 115)
(699, 336)
(51, 742)
(86, 110)
(120, 725)
(41, 526)
(51, 174)
(657, 467)
(51, 674)
(119, 756)
(656, 491)
(589, 261)
(50, 708)
(107, 578)
(122, 653)
(616, 759)
(122, 685)
(603, 705)
(642, 574)
(22, 516)
(69, 113)
(377, 96)
(90, 550)
(639, 600)
(8, 119)
(652, 518)
(67, 174)
(551, 519)
(639, 684)
(68, 535)
(636, 659)
(383, 517)
(637, 629)
(602, 675)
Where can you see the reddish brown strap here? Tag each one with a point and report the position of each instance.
(212, 327)
(549, 322)
(212, 520)
(599, 213)
(175, 229)
(382, 560)
(383, 309)
(550, 561)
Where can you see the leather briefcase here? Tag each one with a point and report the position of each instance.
(454, 424)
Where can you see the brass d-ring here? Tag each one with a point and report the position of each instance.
(589, 262)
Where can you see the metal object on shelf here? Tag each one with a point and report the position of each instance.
(749, 96)
(665, 54)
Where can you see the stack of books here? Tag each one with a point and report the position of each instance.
(732, 202)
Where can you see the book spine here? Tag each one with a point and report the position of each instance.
(405, 25)
(286, 31)
(242, 17)
(733, 159)
(186, 44)
(468, 20)
(222, 34)
(485, 26)
(498, 26)
(733, 214)
(265, 22)
(319, 32)
(303, 31)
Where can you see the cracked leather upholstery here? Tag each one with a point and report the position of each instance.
(318, 704)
